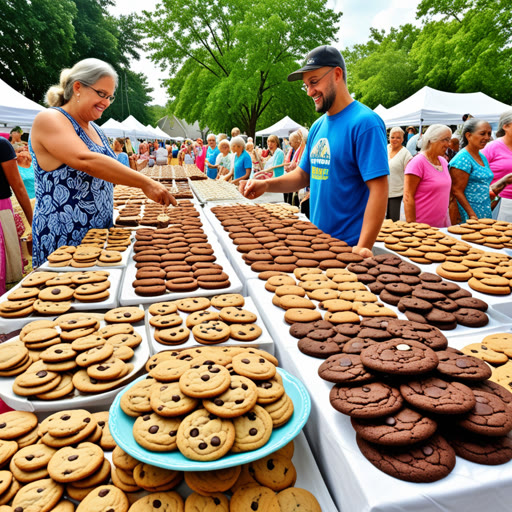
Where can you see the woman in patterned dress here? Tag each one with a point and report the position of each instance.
(471, 174)
(74, 166)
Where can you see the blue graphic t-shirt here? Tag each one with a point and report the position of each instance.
(342, 153)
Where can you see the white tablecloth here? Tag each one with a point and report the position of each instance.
(354, 483)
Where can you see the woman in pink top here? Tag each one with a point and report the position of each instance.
(499, 156)
(427, 180)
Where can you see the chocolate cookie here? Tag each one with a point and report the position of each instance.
(438, 396)
(489, 417)
(344, 369)
(400, 357)
(427, 462)
(370, 400)
(458, 365)
(402, 428)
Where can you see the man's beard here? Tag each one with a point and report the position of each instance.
(327, 100)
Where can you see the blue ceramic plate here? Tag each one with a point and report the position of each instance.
(121, 425)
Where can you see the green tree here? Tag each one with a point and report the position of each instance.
(229, 61)
(36, 39)
(467, 48)
(155, 113)
(133, 96)
(381, 71)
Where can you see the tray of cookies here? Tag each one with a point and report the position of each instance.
(249, 409)
(182, 260)
(73, 360)
(47, 449)
(226, 319)
(44, 294)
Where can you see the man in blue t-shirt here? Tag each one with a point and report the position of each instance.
(345, 162)
(211, 156)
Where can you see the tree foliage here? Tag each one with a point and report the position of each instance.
(229, 60)
(39, 38)
(462, 46)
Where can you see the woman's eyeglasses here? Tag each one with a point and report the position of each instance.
(101, 94)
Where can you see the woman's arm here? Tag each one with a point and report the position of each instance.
(459, 182)
(55, 142)
(12, 174)
(411, 182)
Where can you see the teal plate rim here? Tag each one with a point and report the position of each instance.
(121, 425)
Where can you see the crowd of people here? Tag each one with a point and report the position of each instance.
(451, 179)
(352, 173)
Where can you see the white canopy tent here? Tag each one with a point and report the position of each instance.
(282, 128)
(379, 109)
(16, 109)
(113, 128)
(429, 106)
(132, 125)
(159, 133)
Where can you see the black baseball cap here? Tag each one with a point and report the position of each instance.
(318, 58)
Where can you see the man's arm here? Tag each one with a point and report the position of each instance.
(290, 182)
(373, 216)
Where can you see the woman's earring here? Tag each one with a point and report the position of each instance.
(78, 98)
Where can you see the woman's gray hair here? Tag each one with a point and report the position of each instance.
(433, 134)
(238, 141)
(210, 135)
(396, 129)
(505, 118)
(87, 72)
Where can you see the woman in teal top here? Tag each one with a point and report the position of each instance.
(275, 163)
(471, 174)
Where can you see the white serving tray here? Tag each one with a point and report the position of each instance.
(264, 342)
(122, 264)
(11, 324)
(128, 297)
(79, 400)
(355, 484)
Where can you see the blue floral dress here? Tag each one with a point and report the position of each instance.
(477, 189)
(69, 202)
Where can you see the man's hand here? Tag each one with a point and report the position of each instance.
(253, 188)
(362, 251)
(159, 193)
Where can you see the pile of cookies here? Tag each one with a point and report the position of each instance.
(216, 190)
(227, 320)
(52, 358)
(112, 239)
(270, 242)
(496, 234)
(83, 256)
(323, 339)
(188, 171)
(421, 243)
(491, 274)
(176, 259)
(208, 401)
(414, 407)
(496, 350)
(63, 457)
(44, 460)
(336, 291)
(52, 293)
(130, 213)
(422, 296)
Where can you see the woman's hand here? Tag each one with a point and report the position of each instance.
(253, 188)
(159, 193)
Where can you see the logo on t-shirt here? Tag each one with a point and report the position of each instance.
(320, 160)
